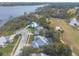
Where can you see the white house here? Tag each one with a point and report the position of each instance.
(76, 8)
(5, 39)
(74, 22)
(39, 41)
(11, 38)
(34, 25)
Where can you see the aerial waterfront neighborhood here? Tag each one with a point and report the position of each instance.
(41, 29)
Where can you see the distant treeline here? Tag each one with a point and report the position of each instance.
(19, 3)
(54, 5)
(64, 5)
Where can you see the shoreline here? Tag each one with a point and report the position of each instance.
(19, 4)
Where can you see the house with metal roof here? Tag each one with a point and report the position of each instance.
(3, 41)
(39, 41)
(74, 22)
(6, 39)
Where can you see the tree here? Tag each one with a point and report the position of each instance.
(43, 32)
(71, 12)
(43, 21)
(57, 49)
(54, 35)
(1, 53)
(27, 51)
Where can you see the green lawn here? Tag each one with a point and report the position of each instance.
(31, 39)
(32, 29)
(70, 36)
(7, 50)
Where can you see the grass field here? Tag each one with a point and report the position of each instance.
(70, 35)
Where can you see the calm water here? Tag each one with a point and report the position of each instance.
(14, 11)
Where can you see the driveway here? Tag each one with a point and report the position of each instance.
(24, 32)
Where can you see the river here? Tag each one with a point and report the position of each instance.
(14, 11)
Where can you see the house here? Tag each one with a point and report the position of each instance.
(5, 39)
(34, 24)
(10, 38)
(39, 41)
(74, 22)
(37, 32)
(39, 28)
(39, 54)
(3, 42)
(76, 8)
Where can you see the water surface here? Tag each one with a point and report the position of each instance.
(14, 11)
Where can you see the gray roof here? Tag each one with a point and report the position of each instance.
(74, 21)
(39, 41)
(36, 32)
(3, 40)
(39, 54)
(39, 28)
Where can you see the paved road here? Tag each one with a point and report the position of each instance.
(24, 32)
